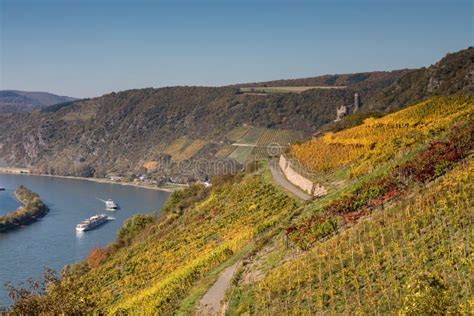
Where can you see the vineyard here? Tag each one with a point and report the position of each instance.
(397, 241)
(182, 149)
(279, 137)
(241, 154)
(238, 132)
(224, 151)
(379, 140)
(251, 137)
(259, 143)
(413, 257)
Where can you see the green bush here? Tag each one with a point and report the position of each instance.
(133, 226)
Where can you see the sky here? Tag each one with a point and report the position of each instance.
(92, 47)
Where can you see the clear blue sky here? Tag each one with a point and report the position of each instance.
(88, 48)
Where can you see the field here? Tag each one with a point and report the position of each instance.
(379, 140)
(288, 89)
(182, 149)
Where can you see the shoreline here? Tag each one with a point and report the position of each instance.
(24, 171)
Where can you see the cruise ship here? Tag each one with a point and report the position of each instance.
(92, 222)
(110, 205)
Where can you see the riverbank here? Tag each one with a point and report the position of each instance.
(8, 170)
(33, 208)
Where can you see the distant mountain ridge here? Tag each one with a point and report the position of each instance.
(15, 101)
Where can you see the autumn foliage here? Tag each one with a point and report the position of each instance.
(380, 139)
(427, 165)
(96, 257)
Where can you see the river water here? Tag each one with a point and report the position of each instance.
(52, 241)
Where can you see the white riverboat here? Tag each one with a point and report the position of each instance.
(92, 222)
(110, 205)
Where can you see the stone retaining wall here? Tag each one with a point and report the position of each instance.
(300, 181)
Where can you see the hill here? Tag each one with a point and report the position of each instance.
(13, 101)
(176, 129)
(394, 239)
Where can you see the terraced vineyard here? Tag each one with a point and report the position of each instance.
(238, 132)
(411, 257)
(241, 154)
(260, 143)
(279, 137)
(251, 137)
(378, 140)
(224, 151)
(395, 241)
(182, 149)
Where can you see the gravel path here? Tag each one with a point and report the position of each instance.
(287, 185)
(211, 301)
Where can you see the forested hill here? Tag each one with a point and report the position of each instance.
(145, 130)
(24, 101)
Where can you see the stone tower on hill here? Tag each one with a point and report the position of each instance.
(344, 110)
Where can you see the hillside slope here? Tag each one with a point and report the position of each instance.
(412, 257)
(13, 101)
(452, 75)
(123, 132)
(395, 239)
(155, 262)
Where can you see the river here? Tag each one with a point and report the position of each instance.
(52, 241)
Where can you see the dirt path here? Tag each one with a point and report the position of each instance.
(211, 301)
(279, 178)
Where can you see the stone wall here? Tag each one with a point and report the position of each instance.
(299, 180)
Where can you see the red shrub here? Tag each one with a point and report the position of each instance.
(96, 257)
